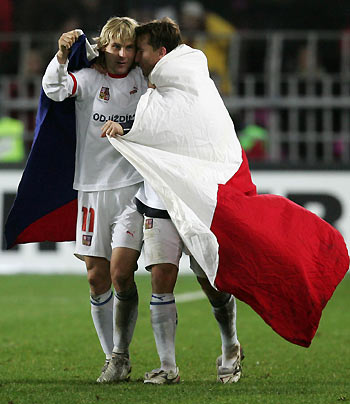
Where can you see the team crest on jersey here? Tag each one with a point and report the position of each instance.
(87, 240)
(104, 93)
(134, 90)
(148, 224)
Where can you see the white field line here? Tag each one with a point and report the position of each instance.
(189, 297)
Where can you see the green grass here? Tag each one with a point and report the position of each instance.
(49, 352)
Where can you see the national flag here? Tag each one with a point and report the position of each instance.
(45, 208)
(281, 259)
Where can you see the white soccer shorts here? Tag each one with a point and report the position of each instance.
(163, 245)
(106, 220)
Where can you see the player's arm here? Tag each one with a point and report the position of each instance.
(65, 43)
(57, 83)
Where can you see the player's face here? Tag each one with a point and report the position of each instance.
(120, 56)
(146, 56)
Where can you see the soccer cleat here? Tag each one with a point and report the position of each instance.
(99, 380)
(231, 374)
(160, 376)
(118, 369)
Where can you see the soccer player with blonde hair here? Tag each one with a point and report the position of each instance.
(109, 231)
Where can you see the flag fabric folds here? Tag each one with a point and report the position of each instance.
(282, 260)
(45, 208)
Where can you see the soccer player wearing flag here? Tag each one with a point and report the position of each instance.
(281, 259)
(108, 230)
(163, 247)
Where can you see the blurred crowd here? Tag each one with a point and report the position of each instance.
(194, 17)
(205, 25)
(50, 15)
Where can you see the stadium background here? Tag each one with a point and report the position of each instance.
(282, 67)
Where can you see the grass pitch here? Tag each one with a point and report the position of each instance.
(49, 352)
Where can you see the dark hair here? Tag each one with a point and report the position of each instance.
(164, 32)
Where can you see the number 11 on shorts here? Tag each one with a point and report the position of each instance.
(88, 214)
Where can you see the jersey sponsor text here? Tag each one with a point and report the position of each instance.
(116, 118)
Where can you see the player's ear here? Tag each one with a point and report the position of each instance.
(162, 51)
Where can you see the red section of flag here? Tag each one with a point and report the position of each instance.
(276, 256)
(58, 225)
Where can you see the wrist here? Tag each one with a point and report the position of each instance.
(61, 57)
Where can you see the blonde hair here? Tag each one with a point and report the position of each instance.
(120, 28)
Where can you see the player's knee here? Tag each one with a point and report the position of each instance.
(122, 270)
(122, 276)
(98, 284)
(123, 266)
(164, 278)
(98, 275)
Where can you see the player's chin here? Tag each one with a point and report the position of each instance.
(122, 68)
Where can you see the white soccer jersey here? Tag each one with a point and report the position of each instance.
(99, 98)
(147, 195)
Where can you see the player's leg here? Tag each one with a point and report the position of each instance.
(224, 310)
(124, 264)
(164, 314)
(162, 248)
(125, 311)
(127, 237)
(101, 300)
(93, 246)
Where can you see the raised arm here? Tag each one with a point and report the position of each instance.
(57, 83)
(65, 43)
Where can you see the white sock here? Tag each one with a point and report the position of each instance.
(102, 316)
(125, 316)
(164, 321)
(226, 317)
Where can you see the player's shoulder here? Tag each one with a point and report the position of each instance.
(87, 72)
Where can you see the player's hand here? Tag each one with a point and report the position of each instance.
(65, 42)
(112, 129)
